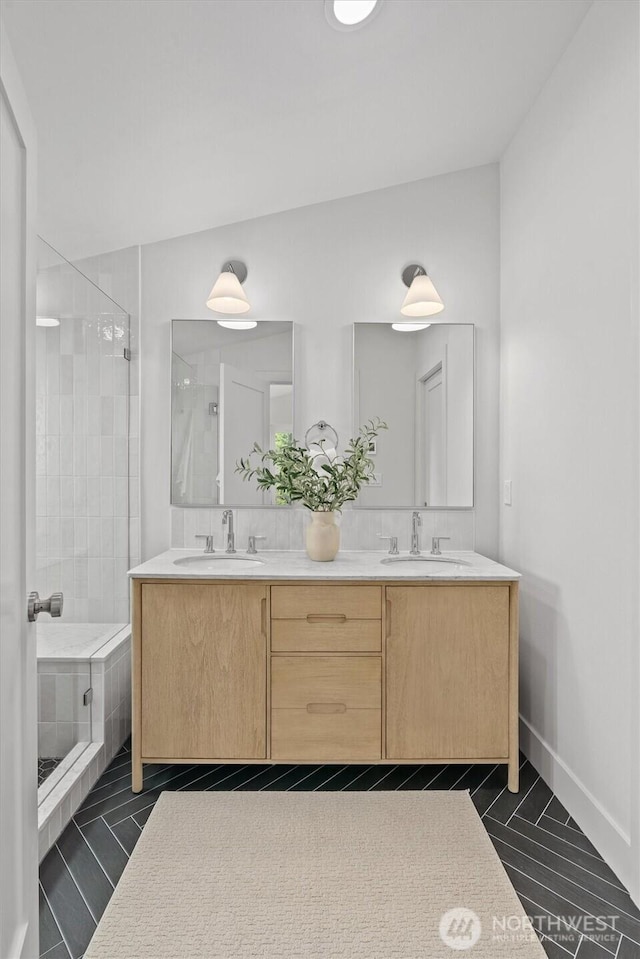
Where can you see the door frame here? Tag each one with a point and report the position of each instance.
(20, 870)
(421, 453)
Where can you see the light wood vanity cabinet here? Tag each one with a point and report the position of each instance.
(306, 672)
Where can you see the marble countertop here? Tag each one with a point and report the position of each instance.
(74, 642)
(294, 565)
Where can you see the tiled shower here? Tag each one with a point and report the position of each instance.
(82, 446)
(86, 491)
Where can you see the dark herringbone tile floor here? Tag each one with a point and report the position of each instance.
(562, 881)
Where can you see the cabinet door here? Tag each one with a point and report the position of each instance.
(204, 671)
(447, 672)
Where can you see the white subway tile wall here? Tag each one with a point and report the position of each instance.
(86, 465)
(118, 275)
(63, 719)
(360, 529)
(111, 683)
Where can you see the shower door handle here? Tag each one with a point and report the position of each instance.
(35, 605)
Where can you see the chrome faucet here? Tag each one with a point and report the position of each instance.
(393, 544)
(227, 520)
(416, 523)
(435, 545)
(251, 547)
(208, 538)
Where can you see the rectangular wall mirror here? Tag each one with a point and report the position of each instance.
(422, 384)
(230, 388)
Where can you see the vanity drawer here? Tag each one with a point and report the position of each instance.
(354, 682)
(330, 604)
(326, 636)
(299, 736)
(326, 708)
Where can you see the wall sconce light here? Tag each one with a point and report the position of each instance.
(47, 321)
(227, 295)
(422, 298)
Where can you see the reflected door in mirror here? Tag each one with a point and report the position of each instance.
(433, 440)
(244, 420)
(422, 384)
(230, 389)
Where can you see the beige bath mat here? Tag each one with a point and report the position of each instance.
(268, 875)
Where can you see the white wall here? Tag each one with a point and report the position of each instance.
(325, 267)
(569, 425)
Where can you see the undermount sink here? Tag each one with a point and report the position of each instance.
(439, 564)
(223, 562)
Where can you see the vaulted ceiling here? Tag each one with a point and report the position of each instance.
(162, 117)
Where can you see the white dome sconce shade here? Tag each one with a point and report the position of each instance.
(350, 14)
(422, 298)
(227, 295)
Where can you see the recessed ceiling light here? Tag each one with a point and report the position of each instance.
(350, 14)
(238, 324)
(47, 321)
(409, 327)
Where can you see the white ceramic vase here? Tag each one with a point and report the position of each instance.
(323, 537)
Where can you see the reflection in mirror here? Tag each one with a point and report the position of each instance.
(229, 390)
(421, 384)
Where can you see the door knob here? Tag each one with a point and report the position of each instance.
(35, 605)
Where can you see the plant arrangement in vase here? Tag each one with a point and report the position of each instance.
(298, 476)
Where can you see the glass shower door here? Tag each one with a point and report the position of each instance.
(82, 493)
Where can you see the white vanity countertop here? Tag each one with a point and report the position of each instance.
(291, 565)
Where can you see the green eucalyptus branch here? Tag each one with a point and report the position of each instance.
(291, 472)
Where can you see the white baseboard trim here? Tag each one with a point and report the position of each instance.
(611, 841)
